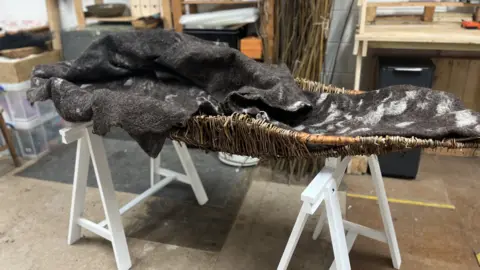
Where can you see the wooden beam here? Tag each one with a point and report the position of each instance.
(268, 26)
(428, 13)
(371, 14)
(167, 14)
(54, 22)
(79, 13)
(421, 4)
(177, 13)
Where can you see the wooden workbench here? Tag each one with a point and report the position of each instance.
(422, 35)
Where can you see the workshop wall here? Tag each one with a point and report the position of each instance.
(14, 15)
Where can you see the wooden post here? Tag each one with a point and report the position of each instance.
(167, 14)
(371, 14)
(54, 22)
(177, 13)
(79, 13)
(428, 13)
(270, 31)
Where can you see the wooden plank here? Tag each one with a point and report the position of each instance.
(471, 94)
(363, 16)
(458, 77)
(224, 2)
(167, 14)
(371, 14)
(54, 22)
(79, 13)
(270, 29)
(177, 13)
(98, 2)
(454, 17)
(422, 4)
(423, 46)
(135, 8)
(476, 15)
(145, 7)
(443, 33)
(453, 152)
(358, 165)
(443, 68)
(428, 13)
(114, 19)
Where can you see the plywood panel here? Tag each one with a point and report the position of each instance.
(458, 77)
(442, 73)
(471, 93)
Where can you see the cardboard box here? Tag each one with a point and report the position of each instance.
(251, 47)
(18, 70)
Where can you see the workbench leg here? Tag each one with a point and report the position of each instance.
(358, 69)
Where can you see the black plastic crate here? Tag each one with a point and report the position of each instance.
(404, 70)
(222, 37)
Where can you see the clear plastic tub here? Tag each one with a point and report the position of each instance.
(52, 128)
(32, 142)
(21, 114)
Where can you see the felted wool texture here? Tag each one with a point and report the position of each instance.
(149, 82)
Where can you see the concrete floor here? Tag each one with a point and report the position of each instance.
(34, 220)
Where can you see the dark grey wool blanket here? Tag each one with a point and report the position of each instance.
(148, 82)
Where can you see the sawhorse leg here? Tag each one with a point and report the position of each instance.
(323, 188)
(389, 235)
(190, 177)
(91, 144)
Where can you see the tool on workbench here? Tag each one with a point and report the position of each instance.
(470, 24)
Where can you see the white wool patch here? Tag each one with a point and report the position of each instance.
(411, 94)
(330, 127)
(299, 128)
(444, 106)
(85, 85)
(477, 128)
(129, 82)
(347, 116)
(465, 118)
(332, 108)
(396, 107)
(295, 106)
(342, 131)
(57, 82)
(332, 116)
(422, 105)
(170, 97)
(322, 98)
(404, 124)
(388, 97)
(360, 103)
(360, 130)
(373, 117)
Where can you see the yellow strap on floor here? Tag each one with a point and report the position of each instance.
(392, 200)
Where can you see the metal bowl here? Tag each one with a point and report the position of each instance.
(107, 10)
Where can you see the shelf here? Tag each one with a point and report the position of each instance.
(219, 2)
(113, 19)
(436, 33)
(421, 4)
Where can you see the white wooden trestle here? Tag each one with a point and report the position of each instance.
(323, 188)
(91, 146)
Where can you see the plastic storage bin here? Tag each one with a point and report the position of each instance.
(20, 112)
(222, 37)
(32, 142)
